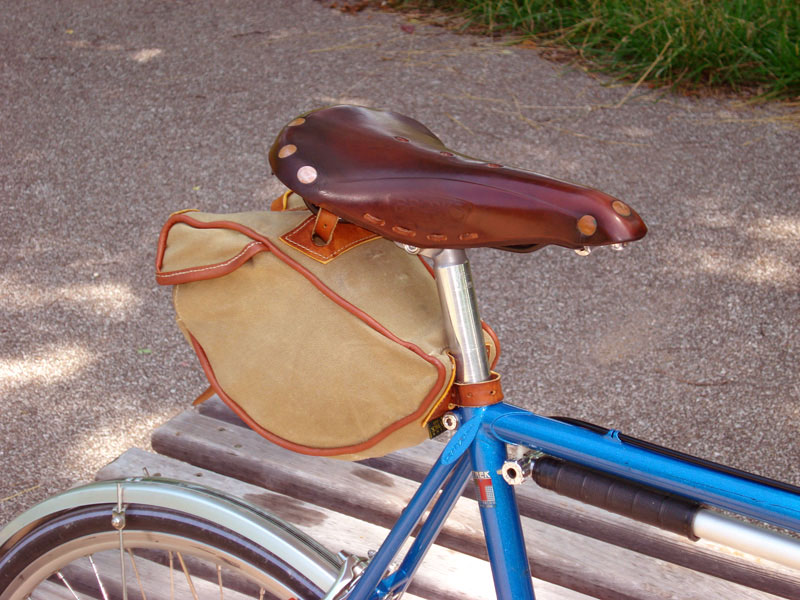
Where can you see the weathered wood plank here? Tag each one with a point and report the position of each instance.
(445, 574)
(583, 564)
(548, 507)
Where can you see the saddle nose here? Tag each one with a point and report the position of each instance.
(391, 175)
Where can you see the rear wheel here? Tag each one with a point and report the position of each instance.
(165, 554)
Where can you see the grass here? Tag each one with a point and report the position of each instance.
(750, 46)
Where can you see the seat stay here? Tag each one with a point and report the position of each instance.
(473, 452)
(451, 467)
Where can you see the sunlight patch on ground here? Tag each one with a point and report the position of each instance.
(110, 299)
(776, 228)
(47, 365)
(141, 56)
(146, 54)
(115, 301)
(763, 269)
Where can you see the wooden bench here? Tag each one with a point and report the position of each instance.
(575, 551)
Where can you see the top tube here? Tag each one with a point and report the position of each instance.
(750, 496)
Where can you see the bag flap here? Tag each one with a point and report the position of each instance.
(194, 246)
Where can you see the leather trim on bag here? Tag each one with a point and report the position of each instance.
(263, 243)
(496, 340)
(281, 202)
(293, 446)
(483, 393)
(427, 265)
(440, 407)
(348, 236)
(211, 271)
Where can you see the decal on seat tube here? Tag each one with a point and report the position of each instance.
(485, 489)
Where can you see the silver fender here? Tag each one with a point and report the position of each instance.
(266, 530)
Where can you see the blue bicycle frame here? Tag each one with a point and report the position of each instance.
(479, 449)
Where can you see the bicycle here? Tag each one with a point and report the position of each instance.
(200, 540)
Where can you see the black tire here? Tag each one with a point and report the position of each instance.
(66, 557)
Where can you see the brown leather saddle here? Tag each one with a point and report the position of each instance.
(391, 175)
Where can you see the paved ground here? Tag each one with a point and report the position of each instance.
(116, 114)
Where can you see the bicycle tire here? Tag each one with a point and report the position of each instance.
(66, 557)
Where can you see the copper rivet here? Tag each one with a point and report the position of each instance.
(400, 138)
(468, 236)
(587, 225)
(297, 121)
(306, 174)
(287, 150)
(621, 208)
(437, 237)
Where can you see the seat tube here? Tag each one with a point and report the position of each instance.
(501, 521)
(460, 311)
(498, 504)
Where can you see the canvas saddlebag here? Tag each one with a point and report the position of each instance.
(335, 350)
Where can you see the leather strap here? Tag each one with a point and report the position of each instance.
(348, 236)
(325, 225)
(208, 393)
(477, 394)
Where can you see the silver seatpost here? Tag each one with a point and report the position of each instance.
(460, 311)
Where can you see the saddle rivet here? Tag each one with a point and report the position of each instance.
(587, 225)
(296, 122)
(287, 150)
(621, 208)
(464, 237)
(437, 237)
(306, 174)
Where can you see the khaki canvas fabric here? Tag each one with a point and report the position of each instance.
(309, 372)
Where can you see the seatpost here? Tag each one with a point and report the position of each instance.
(460, 311)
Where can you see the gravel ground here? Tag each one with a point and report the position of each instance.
(116, 114)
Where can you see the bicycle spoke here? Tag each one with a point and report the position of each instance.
(87, 565)
(188, 577)
(66, 584)
(99, 582)
(171, 577)
(136, 573)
